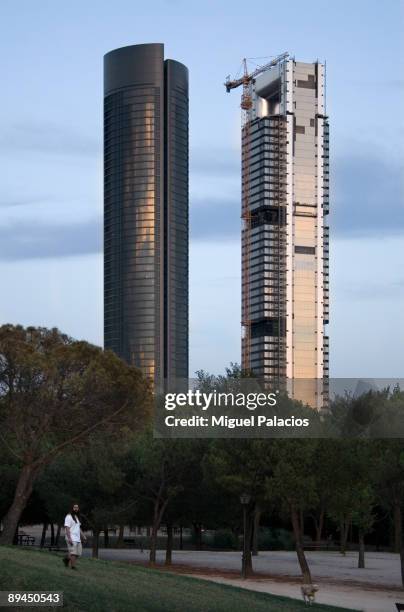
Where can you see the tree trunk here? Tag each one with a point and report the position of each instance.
(181, 541)
(159, 509)
(169, 546)
(361, 557)
(22, 494)
(397, 527)
(344, 530)
(96, 541)
(401, 531)
(301, 557)
(319, 525)
(43, 536)
(153, 544)
(249, 537)
(52, 534)
(198, 535)
(256, 527)
(15, 538)
(106, 536)
(120, 536)
(57, 538)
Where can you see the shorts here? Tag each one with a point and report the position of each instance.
(75, 548)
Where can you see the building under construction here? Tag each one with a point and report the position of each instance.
(285, 200)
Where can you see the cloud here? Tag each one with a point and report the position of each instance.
(32, 241)
(376, 291)
(214, 219)
(365, 202)
(47, 138)
(14, 202)
(380, 84)
(366, 197)
(215, 162)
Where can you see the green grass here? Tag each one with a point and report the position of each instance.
(117, 587)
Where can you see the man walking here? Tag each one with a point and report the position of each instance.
(73, 535)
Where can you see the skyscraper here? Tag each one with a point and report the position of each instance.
(285, 200)
(146, 210)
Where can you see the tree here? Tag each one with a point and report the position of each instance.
(353, 498)
(389, 456)
(163, 469)
(9, 470)
(91, 477)
(293, 484)
(237, 469)
(341, 503)
(57, 487)
(197, 504)
(325, 457)
(390, 482)
(363, 517)
(54, 394)
(246, 467)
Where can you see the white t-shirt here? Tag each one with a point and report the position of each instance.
(74, 528)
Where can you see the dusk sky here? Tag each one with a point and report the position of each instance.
(51, 162)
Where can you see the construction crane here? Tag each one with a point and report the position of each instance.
(247, 79)
(246, 105)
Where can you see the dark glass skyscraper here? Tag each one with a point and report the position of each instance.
(146, 210)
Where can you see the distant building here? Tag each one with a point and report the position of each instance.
(146, 210)
(285, 303)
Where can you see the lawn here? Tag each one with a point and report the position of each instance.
(116, 587)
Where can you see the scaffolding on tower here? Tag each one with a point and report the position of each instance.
(246, 81)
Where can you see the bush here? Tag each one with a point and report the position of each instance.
(224, 538)
(275, 539)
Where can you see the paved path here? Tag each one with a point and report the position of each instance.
(374, 589)
(357, 598)
(382, 569)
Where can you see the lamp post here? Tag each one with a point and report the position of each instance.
(245, 499)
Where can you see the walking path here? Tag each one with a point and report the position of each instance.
(374, 589)
(357, 598)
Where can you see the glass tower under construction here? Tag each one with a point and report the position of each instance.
(285, 202)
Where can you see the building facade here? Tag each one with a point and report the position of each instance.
(146, 210)
(285, 192)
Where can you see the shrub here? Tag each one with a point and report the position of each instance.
(224, 538)
(275, 539)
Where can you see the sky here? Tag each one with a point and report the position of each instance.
(51, 162)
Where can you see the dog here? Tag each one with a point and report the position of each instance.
(309, 593)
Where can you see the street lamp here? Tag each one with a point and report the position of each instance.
(245, 499)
